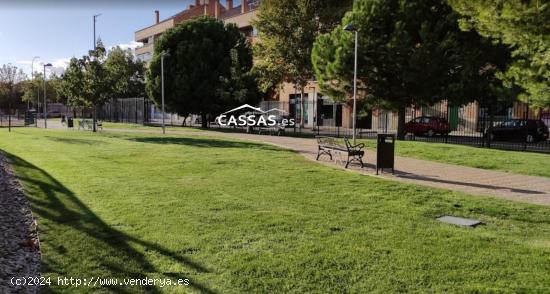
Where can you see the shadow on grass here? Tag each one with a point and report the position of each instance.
(202, 142)
(406, 175)
(73, 232)
(74, 140)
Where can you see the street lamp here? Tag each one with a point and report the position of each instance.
(314, 101)
(45, 103)
(95, 20)
(162, 55)
(351, 28)
(32, 78)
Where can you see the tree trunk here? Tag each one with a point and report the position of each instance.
(9, 117)
(204, 122)
(94, 121)
(184, 121)
(401, 123)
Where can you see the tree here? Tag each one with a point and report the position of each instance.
(98, 84)
(287, 31)
(126, 72)
(32, 88)
(87, 82)
(71, 86)
(10, 86)
(410, 52)
(524, 27)
(207, 70)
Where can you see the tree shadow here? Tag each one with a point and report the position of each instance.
(61, 213)
(407, 175)
(74, 140)
(202, 142)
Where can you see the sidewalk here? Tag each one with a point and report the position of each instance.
(470, 180)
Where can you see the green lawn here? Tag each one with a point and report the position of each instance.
(130, 126)
(527, 163)
(238, 217)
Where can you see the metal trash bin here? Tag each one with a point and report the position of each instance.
(30, 117)
(385, 152)
(70, 123)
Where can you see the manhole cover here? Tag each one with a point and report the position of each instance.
(459, 221)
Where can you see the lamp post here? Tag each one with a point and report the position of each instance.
(32, 78)
(95, 20)
(45, 102)
(315, 117)
(351, 28)
(162, 55)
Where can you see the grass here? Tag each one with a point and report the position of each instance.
(238, 217)
(527, 163)
(130, 126)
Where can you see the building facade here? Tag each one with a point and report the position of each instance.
(319, 111)
(241, 15)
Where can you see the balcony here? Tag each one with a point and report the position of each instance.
(145, 49)
(154, 29)
(242, 20)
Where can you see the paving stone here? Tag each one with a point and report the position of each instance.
(459, 221)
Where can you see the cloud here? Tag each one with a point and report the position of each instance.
(132, 45)
(25, 62)
(58, 65)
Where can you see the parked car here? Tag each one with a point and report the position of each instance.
(525, 130)
(428, 125)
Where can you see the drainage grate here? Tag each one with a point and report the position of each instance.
(459, 221)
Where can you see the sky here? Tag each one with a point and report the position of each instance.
(56, 30)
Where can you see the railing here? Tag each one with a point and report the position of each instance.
(469, 124)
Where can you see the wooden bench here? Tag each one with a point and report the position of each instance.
(328, 145)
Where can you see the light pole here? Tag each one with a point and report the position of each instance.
(350, 27)
(162, 55)
(32, 79)
(315, 117)
(45, 102)
(95, 20)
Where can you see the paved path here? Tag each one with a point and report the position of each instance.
(470, 180)
(475, 181)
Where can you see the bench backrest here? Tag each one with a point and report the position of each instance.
(329, 141)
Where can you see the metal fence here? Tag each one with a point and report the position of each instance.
(13, 118)
(469, 124)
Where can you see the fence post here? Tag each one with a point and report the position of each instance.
(449, 122)
(526, 117)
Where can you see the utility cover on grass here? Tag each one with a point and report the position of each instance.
(459, 221)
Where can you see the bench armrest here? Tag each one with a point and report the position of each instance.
(360, 146)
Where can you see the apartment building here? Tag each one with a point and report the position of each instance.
(241, 14)
(319, 110)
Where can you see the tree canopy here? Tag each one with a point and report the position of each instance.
(410, 52)
(11, 79)
(127, 73)
(287, 31)
(32, 89)
(207, 70)
(94, 79)
(524, 26)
